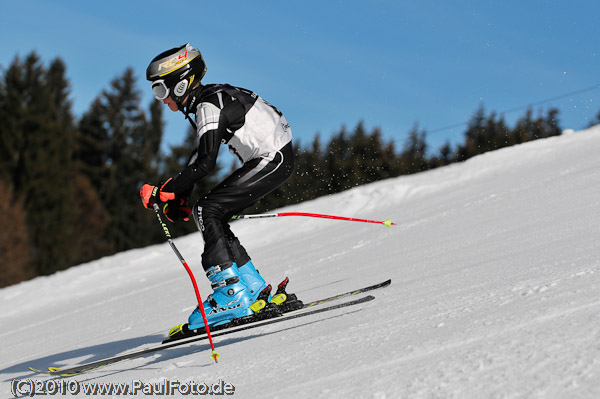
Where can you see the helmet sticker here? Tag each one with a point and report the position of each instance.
(171, 62)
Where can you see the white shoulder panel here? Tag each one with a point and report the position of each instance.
(207, 117)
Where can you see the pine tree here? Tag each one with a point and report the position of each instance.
(496, 133)
(335, 160)
(15, 247)
(10, 142)
(119, 150)
(413, 158)
(92, 148)
(524, 128)
(40, 138)
(444, 157)
(379, 158)
(474, 136)
(549, 125)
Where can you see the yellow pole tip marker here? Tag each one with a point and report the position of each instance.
(389, 223)
(215, 355)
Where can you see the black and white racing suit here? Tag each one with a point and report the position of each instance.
(260, 136)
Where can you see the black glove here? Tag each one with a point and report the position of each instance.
(176, 210)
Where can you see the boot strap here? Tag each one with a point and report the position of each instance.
(226, 282)
(213, 271)
(217, 269)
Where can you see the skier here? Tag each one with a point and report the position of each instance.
(261, 138)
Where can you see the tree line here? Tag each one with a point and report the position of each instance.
(71, 184)
(350, 159)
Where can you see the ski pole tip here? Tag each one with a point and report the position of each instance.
(215, 355)
(389, 223)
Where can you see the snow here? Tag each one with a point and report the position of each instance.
(495, 272)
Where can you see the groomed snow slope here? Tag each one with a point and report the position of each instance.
(495, 268)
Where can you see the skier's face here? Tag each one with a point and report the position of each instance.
(171, 104)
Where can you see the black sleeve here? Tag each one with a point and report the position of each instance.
(208, 149)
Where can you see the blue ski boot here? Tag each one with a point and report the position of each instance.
(259, 290)
(231, 298)
(253, 280)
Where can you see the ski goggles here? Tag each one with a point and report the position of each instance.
(160, 89)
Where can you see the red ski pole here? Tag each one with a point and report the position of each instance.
(386, 223)
(214, 355)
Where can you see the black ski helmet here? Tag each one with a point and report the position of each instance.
(175, 72)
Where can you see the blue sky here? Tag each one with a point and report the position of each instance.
(326, 64)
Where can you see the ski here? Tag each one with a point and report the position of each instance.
(291, 305)
(84, 368)
(349, 293)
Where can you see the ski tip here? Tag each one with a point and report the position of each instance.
(37, 371)
(55, 371)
